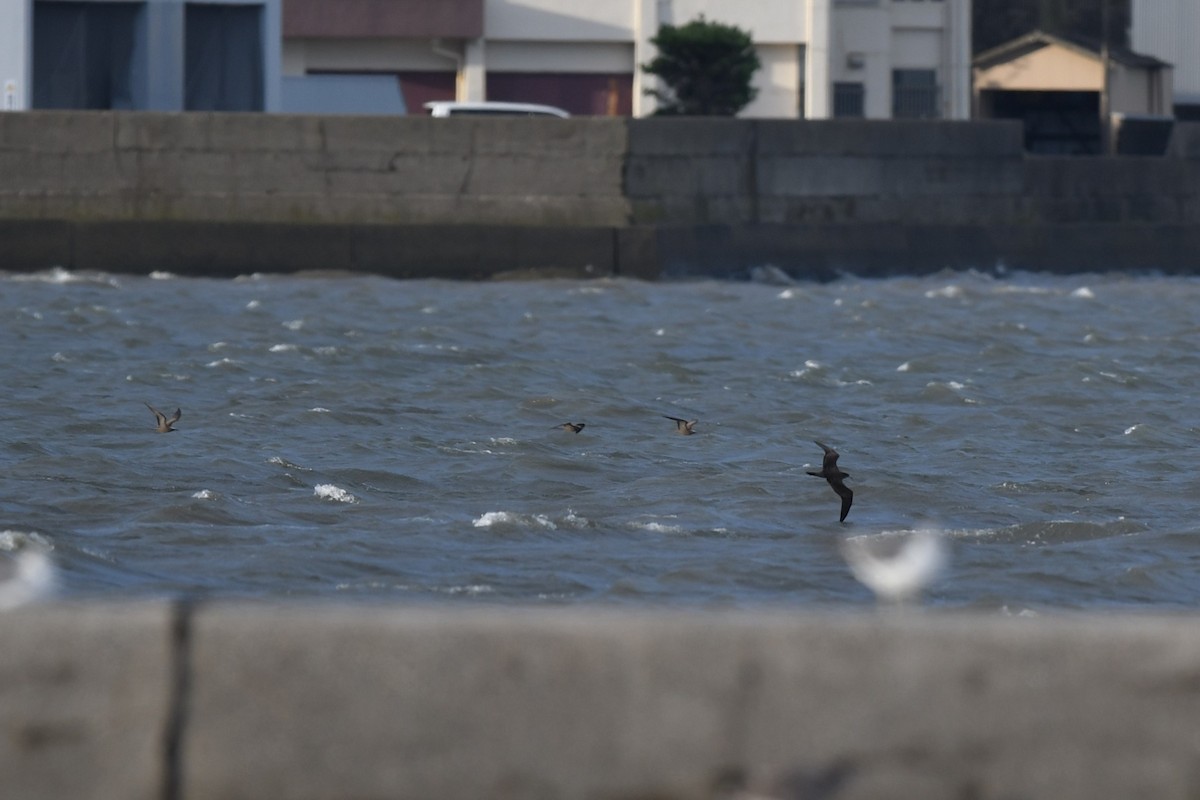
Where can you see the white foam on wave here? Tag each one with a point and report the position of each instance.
(283, 462)
(573, 520)
(59, 275)
(951, 291)
(655, 527)
(283, 348)
(294, 324)
(1084, 293)
(492, 519)
(327, 491)
(204, 494)
(905, 367)
(161, 275)
(319, 410)
(221, 362)
(15, 540)
(1132, 429)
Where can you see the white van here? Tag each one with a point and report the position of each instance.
(450, 108)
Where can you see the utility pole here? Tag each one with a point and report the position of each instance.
(1106, 134)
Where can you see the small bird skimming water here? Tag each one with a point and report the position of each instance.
(165, 422)
(683, 426)
(833, 474)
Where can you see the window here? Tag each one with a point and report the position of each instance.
(848, 99)
(915, 94)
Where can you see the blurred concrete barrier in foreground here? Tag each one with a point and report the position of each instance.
(155, 700)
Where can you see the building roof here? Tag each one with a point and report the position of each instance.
(412, 19)
(1036, 40)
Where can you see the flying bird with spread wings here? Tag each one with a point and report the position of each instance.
(832, 473)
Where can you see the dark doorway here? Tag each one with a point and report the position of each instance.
(1056, 123)
(83, 54)
(223, 58)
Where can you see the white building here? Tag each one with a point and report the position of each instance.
(820, 58)
(1167, 29)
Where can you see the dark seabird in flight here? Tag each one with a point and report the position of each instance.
(831, 472)
(683, 426)
(164, 422)
(573, 427)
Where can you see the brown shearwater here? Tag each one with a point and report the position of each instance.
(683, 426)
(831, 472)
(165, 423)
(573, 427)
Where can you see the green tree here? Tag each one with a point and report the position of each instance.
(706, 66)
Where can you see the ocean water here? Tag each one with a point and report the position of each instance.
(349, 436)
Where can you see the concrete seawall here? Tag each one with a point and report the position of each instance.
(153, 700)
(228, 193)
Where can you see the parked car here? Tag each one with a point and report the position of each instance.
(451, 108)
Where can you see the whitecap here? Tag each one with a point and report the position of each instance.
(491, 519)
(905, 367)
(253, 304)
(221, 362)
(283, 462)
(319, 410)
(60, 358)
(951, 291)
(204, 494)
(1131, 429)
(294, 324)
(656, 527)
(471, 589)
(283, 348)
(15, 540)
(575, 521)
(1084, 293)
(161, 275)
(327, 491)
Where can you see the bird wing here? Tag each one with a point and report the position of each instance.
(175, 417)
(158, 415)
(843, 491)
(831, 456)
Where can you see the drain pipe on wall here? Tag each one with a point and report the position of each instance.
(470, 83)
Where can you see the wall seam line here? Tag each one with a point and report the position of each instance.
(179, 697)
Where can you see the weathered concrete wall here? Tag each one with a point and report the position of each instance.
(275, 168)
(468, 198)
(335, 701)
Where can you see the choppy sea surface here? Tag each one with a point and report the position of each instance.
(358, 437)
